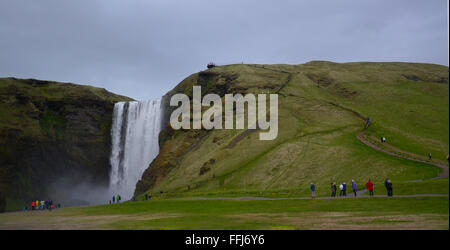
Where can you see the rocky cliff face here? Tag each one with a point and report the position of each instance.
(54, 140)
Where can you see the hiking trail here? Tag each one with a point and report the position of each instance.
(402, 154)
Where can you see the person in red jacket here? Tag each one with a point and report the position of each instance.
(369, 186)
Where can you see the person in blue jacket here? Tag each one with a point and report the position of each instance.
(389, 188)
(313, 190)
(354, 187)
(386, 185)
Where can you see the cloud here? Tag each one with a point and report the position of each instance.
(142, 49)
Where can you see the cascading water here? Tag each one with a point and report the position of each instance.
(135, 130)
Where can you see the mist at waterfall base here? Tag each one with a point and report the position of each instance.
(134, 144)
(135, 131)
(78, 189)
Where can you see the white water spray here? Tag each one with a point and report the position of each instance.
(135, 130)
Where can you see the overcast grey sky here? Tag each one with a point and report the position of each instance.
(142, 49)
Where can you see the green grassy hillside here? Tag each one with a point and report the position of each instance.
(321, 110)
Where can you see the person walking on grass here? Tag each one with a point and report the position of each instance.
(389, 188)
(114, 199)
(367, 123)
(333, 189)
(354, 187)
(369, 186)
(341, 188)
(386, 185)
(344, 189)
(313, 190)
(429, 156)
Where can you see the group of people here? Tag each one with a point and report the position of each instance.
(115, 199)
(42, 205)
(343, 188)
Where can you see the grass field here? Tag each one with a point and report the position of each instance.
(361, 213)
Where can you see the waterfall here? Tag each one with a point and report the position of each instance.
(134, 133)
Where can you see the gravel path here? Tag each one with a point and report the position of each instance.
(349, 196)
(445, 172)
